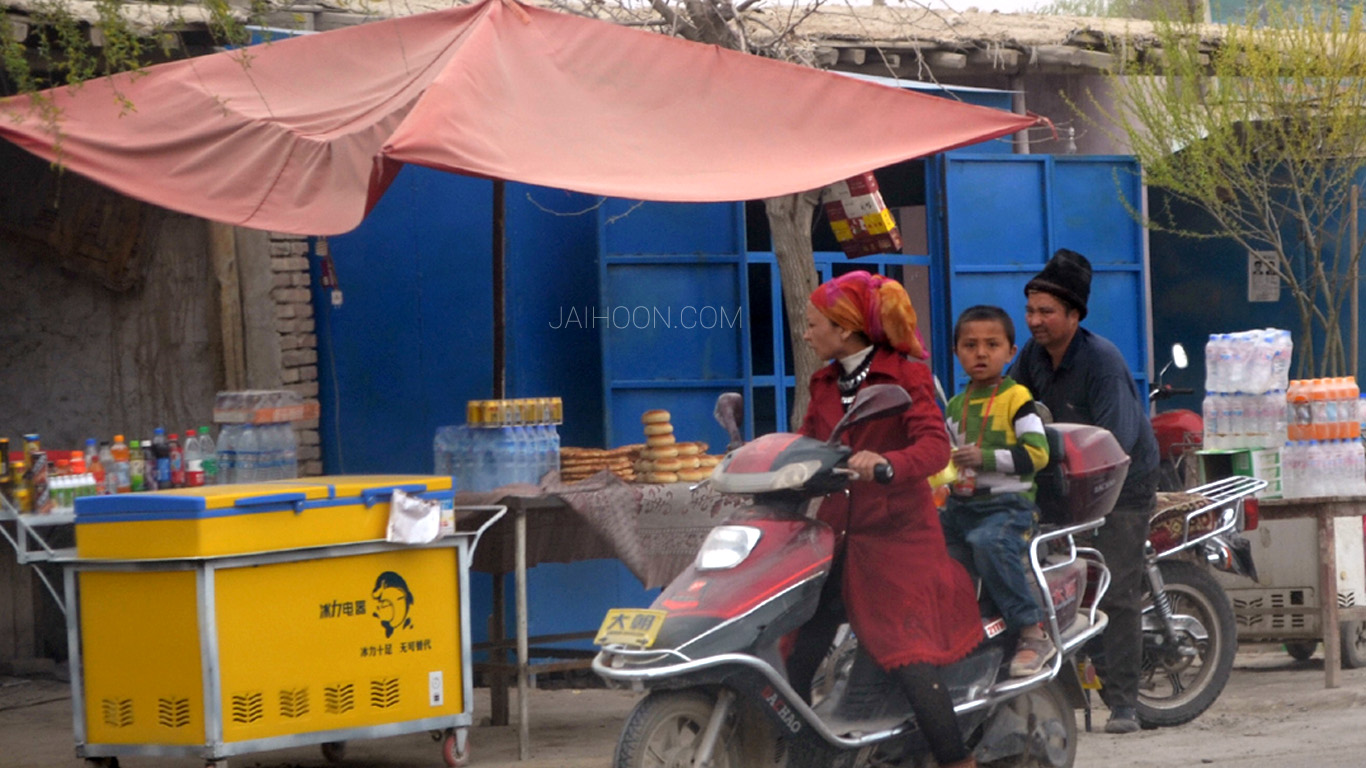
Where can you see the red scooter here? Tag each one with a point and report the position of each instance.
(707, 650)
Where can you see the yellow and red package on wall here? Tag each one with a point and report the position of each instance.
(861, 222)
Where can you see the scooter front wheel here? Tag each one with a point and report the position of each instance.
(665, 731)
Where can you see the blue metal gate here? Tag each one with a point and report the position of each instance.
(1004, 215)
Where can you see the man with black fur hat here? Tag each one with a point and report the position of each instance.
(1083, 378)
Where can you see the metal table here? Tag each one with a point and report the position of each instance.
(1323, 510)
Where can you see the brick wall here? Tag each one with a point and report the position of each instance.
(298, 336)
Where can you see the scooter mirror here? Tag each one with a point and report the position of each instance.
(730, 411)
(872, 402)
(1045, 414)
(1179, 358)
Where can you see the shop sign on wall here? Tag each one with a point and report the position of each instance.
(1263, 284)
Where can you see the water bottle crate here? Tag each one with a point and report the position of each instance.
(289, 413)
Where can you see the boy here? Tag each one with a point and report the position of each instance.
(990, 516)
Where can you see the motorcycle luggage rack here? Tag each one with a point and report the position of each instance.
(1216, 513)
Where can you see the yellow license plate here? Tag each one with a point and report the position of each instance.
(635, 627)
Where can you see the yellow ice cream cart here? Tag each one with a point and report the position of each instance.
(219, 621)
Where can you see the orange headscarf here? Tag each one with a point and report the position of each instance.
(873, 305)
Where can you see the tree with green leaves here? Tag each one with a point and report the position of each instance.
(1261, 125)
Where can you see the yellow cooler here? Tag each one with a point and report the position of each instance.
(232, 619)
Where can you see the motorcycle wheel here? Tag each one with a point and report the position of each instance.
(665, 729)
(1353, 644)
(1301, 650)
(1051, 740)
(1173, 690)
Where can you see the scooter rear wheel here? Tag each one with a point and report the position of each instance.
(1051, 738)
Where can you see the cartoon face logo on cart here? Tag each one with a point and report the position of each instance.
(393, 601)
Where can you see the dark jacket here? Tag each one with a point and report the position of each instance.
(907, 600)
(1092, 385)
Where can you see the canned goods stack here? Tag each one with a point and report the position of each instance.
(501, 442)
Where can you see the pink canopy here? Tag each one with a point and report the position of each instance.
(304, 135)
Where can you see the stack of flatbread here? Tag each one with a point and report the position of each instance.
(581, 463)
(664, 459)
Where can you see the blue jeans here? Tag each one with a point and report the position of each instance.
(990, 536)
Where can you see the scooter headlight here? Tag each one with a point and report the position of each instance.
(796, 474)
(726, 547)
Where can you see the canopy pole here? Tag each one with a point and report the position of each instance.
(499, 313)
(1356, 278)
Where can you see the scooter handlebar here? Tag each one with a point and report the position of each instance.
(882, 473)
(1166, 390)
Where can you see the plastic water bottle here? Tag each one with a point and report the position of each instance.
(1213, 364)
(208, 453)
(1280, 362)
(1357, 468)
(248, 455)
(227, 454)
(291, 454)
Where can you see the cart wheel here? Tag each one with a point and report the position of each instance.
(455, 750)
(216, 764)
(102, 762)
(334, 751)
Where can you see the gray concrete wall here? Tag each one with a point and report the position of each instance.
(79, 359)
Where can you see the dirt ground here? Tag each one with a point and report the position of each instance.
(1275, 713)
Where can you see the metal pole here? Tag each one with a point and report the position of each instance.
(499, 312)
(523, 682)
(1356, 279)
(1017, 105)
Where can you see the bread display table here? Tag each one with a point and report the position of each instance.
(654, 529)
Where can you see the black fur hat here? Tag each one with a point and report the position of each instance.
(1068, 276)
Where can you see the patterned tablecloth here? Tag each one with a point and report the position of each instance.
(654, 529)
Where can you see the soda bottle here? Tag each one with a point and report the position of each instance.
(95, 465)
(161, 451)
(149, 471)
(20, 490)
(137, 467)
(111, 472)
(123, 482)
(5, 471)
(194, 460)
(175, 455)
(209, 456)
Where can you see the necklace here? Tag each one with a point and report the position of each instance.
(850, 382)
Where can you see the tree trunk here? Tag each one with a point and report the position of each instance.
(789, 220)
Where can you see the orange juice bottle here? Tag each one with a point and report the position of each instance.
(1354, 414)
(1343, 408)
(1297, 411)
(1319, 424)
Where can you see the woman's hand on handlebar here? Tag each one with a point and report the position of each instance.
(865, 463)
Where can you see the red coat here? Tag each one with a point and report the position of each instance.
(907, 600)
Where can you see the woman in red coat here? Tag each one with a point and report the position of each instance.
(911, 605)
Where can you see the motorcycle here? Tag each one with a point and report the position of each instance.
(1189, 631)
(1180, 432)
(708, 649)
